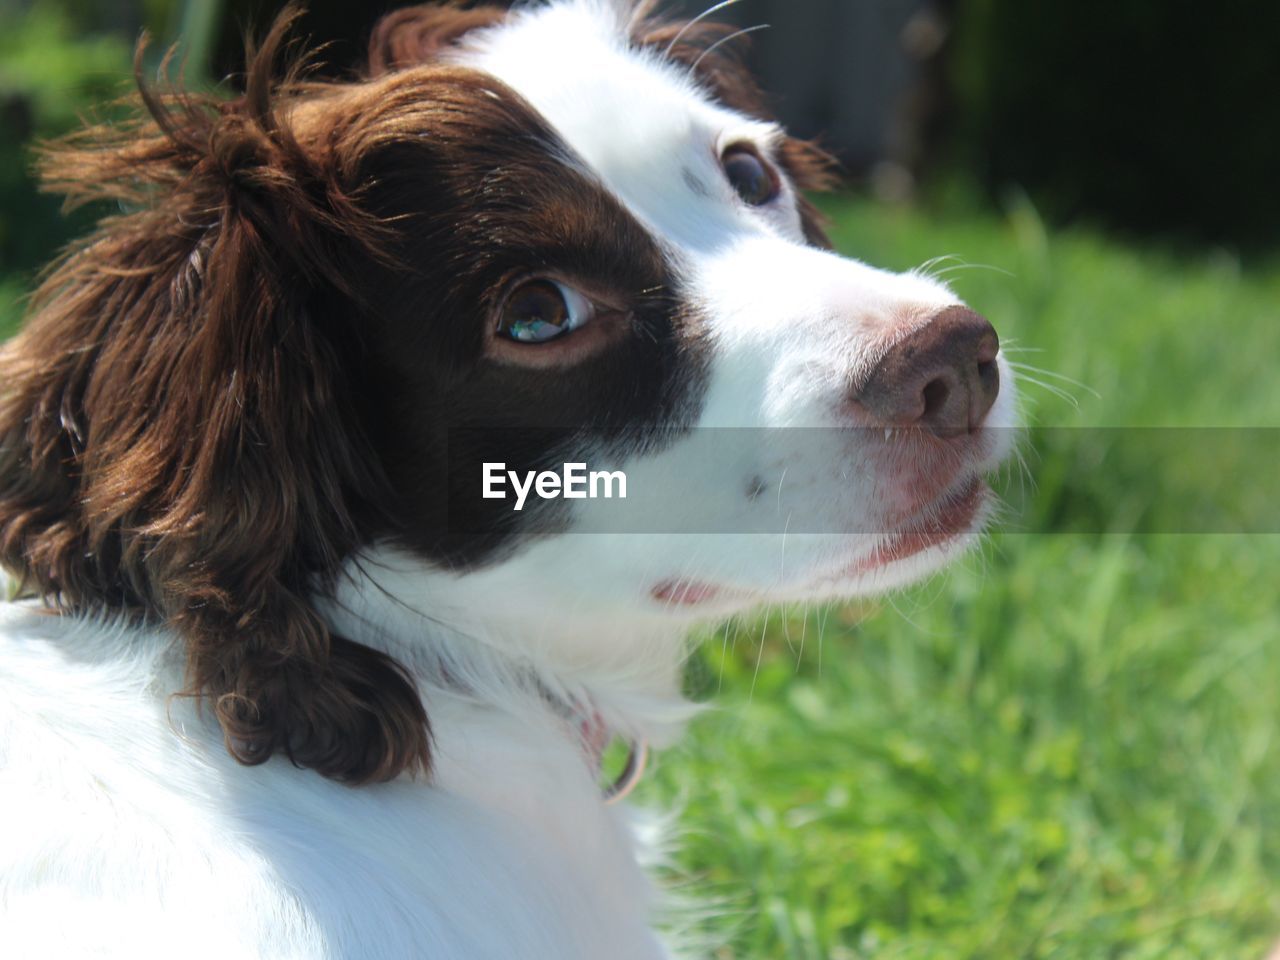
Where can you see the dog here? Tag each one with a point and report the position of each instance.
(277, 677)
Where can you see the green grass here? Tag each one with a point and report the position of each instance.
(11, 305)
(1064, 748)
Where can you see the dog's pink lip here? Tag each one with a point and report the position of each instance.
(932, 527)
(685, 593)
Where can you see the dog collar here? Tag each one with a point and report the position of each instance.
(596, 738)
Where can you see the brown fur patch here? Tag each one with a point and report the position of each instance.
(415, 35)
(176, 429)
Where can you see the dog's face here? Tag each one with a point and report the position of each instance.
(643, 272)
(566, 234)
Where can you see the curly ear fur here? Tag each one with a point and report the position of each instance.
(415, 35)
(177, 435)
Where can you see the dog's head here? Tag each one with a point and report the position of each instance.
(569, 234)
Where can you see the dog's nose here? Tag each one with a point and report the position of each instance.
(942, 377)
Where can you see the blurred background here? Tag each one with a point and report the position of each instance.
(1066, 747)
(1154, 118)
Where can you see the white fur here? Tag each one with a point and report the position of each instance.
(131, 833)
(127, 831)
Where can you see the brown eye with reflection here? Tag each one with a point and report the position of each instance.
(539, 311)
(750, 176)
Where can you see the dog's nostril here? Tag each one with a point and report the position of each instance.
(935, 396)
(988, 381)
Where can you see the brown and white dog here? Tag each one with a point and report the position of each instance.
(240, 494)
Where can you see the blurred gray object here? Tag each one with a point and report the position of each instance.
(863, 75)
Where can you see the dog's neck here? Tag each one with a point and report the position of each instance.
(451, 636)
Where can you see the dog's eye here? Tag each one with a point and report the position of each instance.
(539, 311)
(750, 176)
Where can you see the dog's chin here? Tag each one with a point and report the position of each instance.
(927, 541)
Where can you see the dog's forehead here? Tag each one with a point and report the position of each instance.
(639, 122)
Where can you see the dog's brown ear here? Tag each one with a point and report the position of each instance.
(813, 170)
(177, 435)
(415, 35)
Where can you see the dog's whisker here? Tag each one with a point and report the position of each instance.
(804, 629)
(956, 268)
(710, 11)
(782, 563)
(724, 656)
(1014, 345)
(926, 269)
(1050, 388)
(822, 634)
(1025, 476)
(1041, 371)
(764, 629)
(723, 40)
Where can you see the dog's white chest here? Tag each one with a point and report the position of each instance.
(127, 831)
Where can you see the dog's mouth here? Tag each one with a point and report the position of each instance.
(938, 526)
(952, 516)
